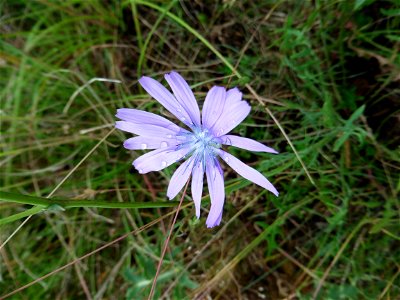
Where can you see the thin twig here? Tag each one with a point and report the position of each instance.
(153, 286)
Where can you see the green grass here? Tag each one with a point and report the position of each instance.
(327, 71)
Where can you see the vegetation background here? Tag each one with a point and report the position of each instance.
(327, 70)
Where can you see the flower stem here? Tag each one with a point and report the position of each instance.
(153, 286)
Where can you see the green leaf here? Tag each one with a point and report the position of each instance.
(356, 114)
(361, 3)
(328, 112)
(395, 12)
(349, 129)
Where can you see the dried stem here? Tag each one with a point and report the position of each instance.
(153, 286)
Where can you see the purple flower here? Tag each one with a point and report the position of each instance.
(202, 145)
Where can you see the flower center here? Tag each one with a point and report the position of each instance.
(205, 140)
(201, 142)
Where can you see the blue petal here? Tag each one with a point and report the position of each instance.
(245, 143)
(231, 117)
(159, 159)
(215, 180)
(162, 95)
(233, 96)
(144, 117)
(248, 172)
(197, 185)
(213, 106)
(184, 95)
(145, 142)
(180, 178)
(146, 129)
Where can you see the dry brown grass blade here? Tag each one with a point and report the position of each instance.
(122, 237)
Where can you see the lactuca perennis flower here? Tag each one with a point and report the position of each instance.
(200, 147)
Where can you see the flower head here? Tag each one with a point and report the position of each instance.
(201, 146)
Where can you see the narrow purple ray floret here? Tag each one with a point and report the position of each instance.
(222, 111)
